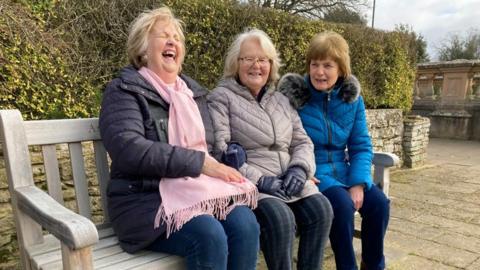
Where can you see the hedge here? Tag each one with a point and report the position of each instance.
(34, 75)
(60, 68)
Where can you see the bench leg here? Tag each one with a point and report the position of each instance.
(382, 177)
(77, 259)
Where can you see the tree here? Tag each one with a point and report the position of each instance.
(309, 8)
(342, 14)
(457, 46)
(417, 43)
(422, 54)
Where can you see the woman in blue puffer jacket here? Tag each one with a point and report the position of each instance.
(333, 115)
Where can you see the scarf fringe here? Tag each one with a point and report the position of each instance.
(217, 207)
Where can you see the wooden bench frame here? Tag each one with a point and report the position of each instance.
(73, 240)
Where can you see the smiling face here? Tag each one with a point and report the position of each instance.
(165, 51)
(253, 75)
(323, 73)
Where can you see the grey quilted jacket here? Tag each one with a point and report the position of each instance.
(270, 131)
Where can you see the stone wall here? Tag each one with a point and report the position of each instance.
(8, 242)
(385, 127)
(415, 140)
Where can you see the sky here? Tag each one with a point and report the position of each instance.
(435, 20)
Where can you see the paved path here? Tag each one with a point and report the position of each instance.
(435, 212)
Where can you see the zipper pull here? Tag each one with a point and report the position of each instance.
(328, 96)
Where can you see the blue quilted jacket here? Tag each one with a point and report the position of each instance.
(336, 123)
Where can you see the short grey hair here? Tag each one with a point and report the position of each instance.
(232, 62)
(140, 28)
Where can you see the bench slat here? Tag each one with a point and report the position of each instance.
(61, 131)
(107, 254)
(98, 255)
(51, 243)
(115, 260)
(49, 251)
(50, 162)
(170, 262)
(103, 174)
(145, 257)
(80, 179)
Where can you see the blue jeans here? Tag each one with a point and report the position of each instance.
(208, 243)
(375, 213)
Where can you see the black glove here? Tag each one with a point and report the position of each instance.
(272, 185)
(294, 180)
(234, 156)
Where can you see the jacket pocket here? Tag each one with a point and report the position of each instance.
(122, 187)
(161, 125)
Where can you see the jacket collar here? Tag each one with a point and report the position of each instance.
(320, 95)
(240, 90)
(346, 89)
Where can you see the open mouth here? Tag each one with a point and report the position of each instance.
(169, 54)
(321, 80)
(255, 74)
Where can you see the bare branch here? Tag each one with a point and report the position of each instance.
(310, 8)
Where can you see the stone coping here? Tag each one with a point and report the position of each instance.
(452, 113)
(453, 63)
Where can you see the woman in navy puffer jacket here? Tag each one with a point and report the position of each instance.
(156, 128)
(333, 115)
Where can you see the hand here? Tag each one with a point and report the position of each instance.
(294, 180)
(356, 193)
(272, 185)
(213, 168)
(315, 180)
(235, 156)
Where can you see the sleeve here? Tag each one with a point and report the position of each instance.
(219, 108)
(122, 127)
(360, 149)
(301, 146)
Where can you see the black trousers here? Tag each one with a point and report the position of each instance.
(311, 217)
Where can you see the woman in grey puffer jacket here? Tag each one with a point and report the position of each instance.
(246, 109)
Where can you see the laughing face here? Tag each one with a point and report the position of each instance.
(324, 73)
(165, 51)
(254, 66)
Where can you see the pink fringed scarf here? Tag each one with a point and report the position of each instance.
(186, 197)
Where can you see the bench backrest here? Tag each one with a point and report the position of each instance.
(48, 134)
(18, 135)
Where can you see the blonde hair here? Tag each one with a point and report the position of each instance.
(140, 28)
(231, 60)
(333, 45)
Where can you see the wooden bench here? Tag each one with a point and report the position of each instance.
(73, 241)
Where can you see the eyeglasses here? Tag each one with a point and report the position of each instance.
(250, 61)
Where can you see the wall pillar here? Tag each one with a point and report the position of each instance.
(415, 140)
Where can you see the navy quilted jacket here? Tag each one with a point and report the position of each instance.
(139, 158)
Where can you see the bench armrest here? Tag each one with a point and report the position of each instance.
(381, 169)
(74, 230)
(385, 159)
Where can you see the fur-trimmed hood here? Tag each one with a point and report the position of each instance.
(296, 88)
